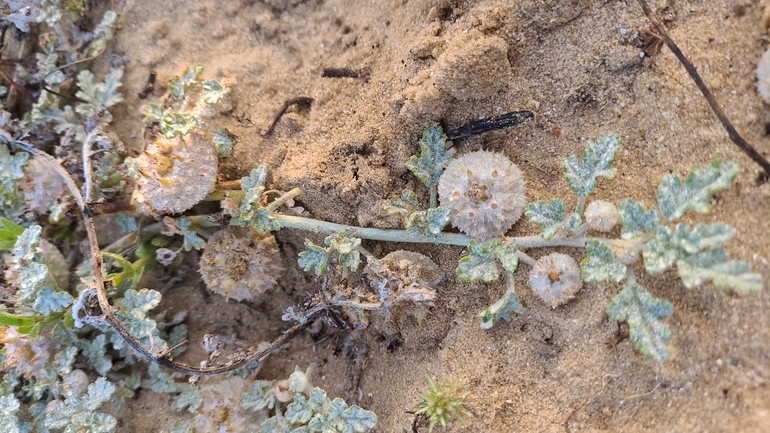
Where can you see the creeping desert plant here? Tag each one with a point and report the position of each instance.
(482, 194)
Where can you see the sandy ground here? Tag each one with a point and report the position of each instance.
(570, 62)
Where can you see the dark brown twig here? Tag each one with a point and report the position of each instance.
(278, 114)
(592, 395)
(503, 121)
(734, 136)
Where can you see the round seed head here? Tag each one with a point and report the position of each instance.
(486, 193)
(555, 278)
(601, 215)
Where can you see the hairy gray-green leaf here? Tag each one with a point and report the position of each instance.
(572, 223)
(597, 161)
(96, 352)
(213, 91)
(9, 410)
(177, 86)
(132, 311)
(347, 249)
(262, 397)
(429, 222)
(507, 253)
(11, 170)
(669, 246)
(500, 310)
(49, 301)
(77, 410)
(713, 265)
(548, 215)
(479, 264)
(644, 314)
(191, 238)
(63, 360)
(301, 410)
(98, 96)
(223, 143)
(675, 197)
(600, 265)
(190, 400)
(251, 211)
(314, 257)
(433, 157)
(636, 221)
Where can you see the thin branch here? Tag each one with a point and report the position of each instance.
(734, 136)
(104, 303)
(592, 395)
(278, 114)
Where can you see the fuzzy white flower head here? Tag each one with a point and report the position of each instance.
(555, 278)
(26, 355)
(240, 263)
(486, 193)
(601, 215)
(173, 175)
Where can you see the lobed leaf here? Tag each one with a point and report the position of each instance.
(548, 215)
(636, 221)
(262, 397)
(96, 352)
(597, 161)
(11, 170)
(190, 400)
(433, 157)
(403, 205)
(223, 143)
(479, 264)
(98, 96)
(177, 86)
(668, 246)
(9, 410)
(213, 91)
(314, 257)
(675, 198)
(644, 314)
(347, 249)
(429, 222)
(507, 253)
(76, 410)
(600, 264)
(49, 301)
(713, 265)
(500, 310)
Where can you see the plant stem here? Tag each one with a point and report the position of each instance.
(433, 196)
(282, 199)
(324, 227)
(225, 193)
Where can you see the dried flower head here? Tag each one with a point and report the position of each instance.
(173, 175)
(26, 355)
(240, 263)
(486, 192)
(601, 215)
(555, 278)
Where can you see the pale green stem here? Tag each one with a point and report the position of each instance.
(524, 257)
(309, 224)
(225, 193)
(581, 203)
(433, 197)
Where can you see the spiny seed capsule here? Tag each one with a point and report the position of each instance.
(486, 193)
(555, 278)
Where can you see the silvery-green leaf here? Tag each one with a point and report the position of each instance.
(669, 246)
(713, 265)
(49, 301)
(127, 223)
(433, 157)
(152, 113)
(96, 352)
(9, 419)
(160, 380)
(429, 222)
(644, 314)
(133, 313)
(98, 96)
(76, 408)
(173, 123)
(675, 197)
(548, 215)
(92, 423)
(500, 310)
(347, 249)
(177, 86)
(479, 264)
(507, 253)
(301, 410)
(252, 213)
(344, 419)
(190, 400)
(573, 223)
(636, 221)
(223, 143)
(213, 91)
(262, 397)
(597, 161)
(63, 360)
(191, 238)
(314, 257)
(275, 424)
(182, 427)
(402, 205)
(600, 265)
(11, 170)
